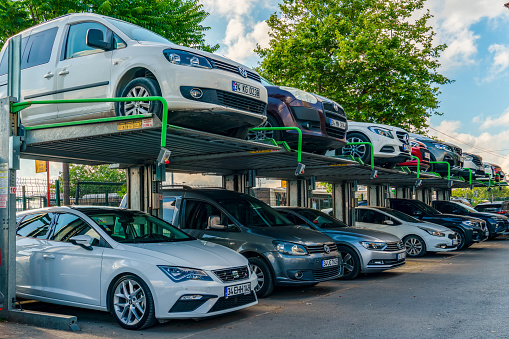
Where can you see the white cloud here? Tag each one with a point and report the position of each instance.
(499, 121)
(500, 60)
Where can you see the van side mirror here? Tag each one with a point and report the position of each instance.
(95, 38)
(388, 222)
(214, 223)
(83, 241)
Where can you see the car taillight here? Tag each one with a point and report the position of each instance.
(502, 212)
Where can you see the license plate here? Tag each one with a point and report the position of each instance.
(407, 148)
(425, 156)
(337, 123)
(401, 256)
(330, 262)
(231, 291)
(245, 89)
(454, 242)
(487, 233)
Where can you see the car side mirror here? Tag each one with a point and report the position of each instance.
(388, 222)
(214, 223)
(83, 241)
(95, 38)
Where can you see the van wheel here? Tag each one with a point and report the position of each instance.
(262, 135)
(140, 88)
(264, 276)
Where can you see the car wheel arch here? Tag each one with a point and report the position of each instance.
(252, 254)
(131, 74)
(120, 275)
(358, 132)
(352, 247)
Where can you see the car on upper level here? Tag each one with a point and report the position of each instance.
(322, 122)
(420, 151)
(390, 144)
(472, 165)
(442, 152)
(132, 264)
(89, 56)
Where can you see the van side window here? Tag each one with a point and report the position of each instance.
(4, 64)
(118, 43)
(197, 214)
(76, 45)
(39, 47)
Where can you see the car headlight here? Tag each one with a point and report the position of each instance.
(180, 274)
(468, 157)
(289, 248)
(443, 147)
(178, 57)
(370, 245)
(433, 232)
(381, 131)
(300, 95)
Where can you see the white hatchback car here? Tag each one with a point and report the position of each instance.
(418, 236)
(81, 56)
(134, 265)
(391, 144)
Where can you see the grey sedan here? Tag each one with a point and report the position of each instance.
(362, 250)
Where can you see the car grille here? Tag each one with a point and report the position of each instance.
(234, 69)
(187, 305)
(403, 137)
(394, 246)
(457, 150)
(320, 248)
(224, 304)
(232, 274)
(329, 107)
(477, 161)
(326, 273)
(241, 102)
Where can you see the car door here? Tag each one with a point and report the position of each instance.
(83, 72)
(31, 264)
(74, 272)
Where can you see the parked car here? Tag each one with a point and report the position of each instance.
(129, 263)
(86, 55)
(420, 151)
(470, 230)
(279, 252)
(474, 163)
(498, 172)
(391, 144)
(489, 170)
(442, 151)
(362, 251)
(497, 224)
(497, 207)
(463, 201)
(322, 121)
(418, 236)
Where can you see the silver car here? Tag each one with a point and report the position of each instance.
(362, 250)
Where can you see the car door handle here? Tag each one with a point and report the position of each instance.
(49, 75)
(48, 256)
(63, 73)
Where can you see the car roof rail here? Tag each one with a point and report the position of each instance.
(173, 186)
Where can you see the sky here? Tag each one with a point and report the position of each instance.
(475, 107)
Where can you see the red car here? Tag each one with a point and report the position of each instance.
(421, 151)
(498, 170)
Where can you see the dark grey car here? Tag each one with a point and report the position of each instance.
(280, 253)
(442, 151)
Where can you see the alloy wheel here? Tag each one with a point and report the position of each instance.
(129, 302)
(348, 263)
(261, 135)
(357, 151)
(260, 278)
(413, 246)
(137, 107)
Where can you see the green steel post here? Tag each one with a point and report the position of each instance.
(499, 181)
(23, 191)
(418, 165)
(57, 192)
(469, 171)
(372, 153)
(448, 167)
(299, 144)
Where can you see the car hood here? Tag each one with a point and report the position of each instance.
(362, 234)
(297, 234)
(194, 254)
(430, 225)
(368, 124)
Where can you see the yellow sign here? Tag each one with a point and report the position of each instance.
(283, 183)
(337, 165)
(122, 126)
(40, 166)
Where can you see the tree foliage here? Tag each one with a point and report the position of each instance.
(480, 194)
(374, 57)
(178, 20)
(100, 173)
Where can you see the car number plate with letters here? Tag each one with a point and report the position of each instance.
(454, 242)
(407, 148)
(330, 262)
(337, 123)
(231, 291)
(245, 89)
(401, 256)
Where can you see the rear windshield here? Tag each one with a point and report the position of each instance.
(321, 219)
(252, 212)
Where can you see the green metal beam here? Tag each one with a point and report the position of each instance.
(299, 143)
(418, 165)
(372, 153)
(448, 167)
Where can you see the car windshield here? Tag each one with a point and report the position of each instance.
(135, 227)
(136, 32)
(252, 212)
(320, 219)
(426, 208)
(400, 215)
(266, 82)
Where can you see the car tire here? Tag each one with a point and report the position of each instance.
(262, 135)
(238, 133)
(351, 263)
(135, 296)
(359, 151)
(264, 275)
(414, 246)
(461, 239)
(141, 87)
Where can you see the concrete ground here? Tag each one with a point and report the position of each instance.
(460, 294)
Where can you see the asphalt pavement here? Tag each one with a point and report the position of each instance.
(462, 294)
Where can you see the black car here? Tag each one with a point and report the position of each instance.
(497, 207)
(497, 224)
(442, 151)
(470, 230)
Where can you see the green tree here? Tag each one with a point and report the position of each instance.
(371, 56)
(480, 194)
(178, 20)
(100, 173)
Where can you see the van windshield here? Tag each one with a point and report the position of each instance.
(252, 212)
(136, 32)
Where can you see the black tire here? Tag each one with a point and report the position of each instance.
(144, 87)
(360, 151)
(461, 238)
(414, 246)
(263, 271)
(351, 263)
(238, 133)
(262, 135)
(148, 318)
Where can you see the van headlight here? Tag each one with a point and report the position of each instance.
(433, 232)
(289, 248)
(180, 274)
(381, 131)
(178, 57)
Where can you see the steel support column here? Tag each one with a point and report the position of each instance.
(297, 193)
(376, 195)
(443, 194)
(235, 182)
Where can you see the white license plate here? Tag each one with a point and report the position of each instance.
(487, 233)
(454, 242)
(231, 291)
(337, 123)
(401, 256)
(330, 262)
(407, 148)
(245, 89)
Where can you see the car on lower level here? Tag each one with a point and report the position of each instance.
(280, 252)
(495, 207)
(418, 236)
(134, 265)
(420, 151)
(362, 250)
